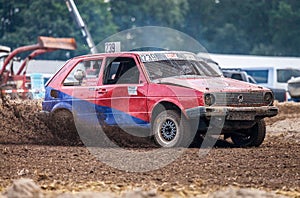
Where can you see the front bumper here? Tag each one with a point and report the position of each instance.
(233, 113)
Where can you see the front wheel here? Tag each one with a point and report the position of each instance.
(252, 137)
(171, 129)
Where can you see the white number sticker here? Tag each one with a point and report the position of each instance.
(112, 47)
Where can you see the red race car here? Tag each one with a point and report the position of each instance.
(174, 94)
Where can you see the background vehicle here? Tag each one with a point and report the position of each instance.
(14, 81)
(173, 94)
(4, 51)
(238, 75)
(294, 89)
(268, 71)
(279, 94)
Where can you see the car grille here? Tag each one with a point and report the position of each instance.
(239, 99)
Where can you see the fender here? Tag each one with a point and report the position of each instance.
(62, 105)
(169, 100)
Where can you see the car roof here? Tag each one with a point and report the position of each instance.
(160, 55)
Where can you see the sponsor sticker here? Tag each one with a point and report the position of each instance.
(171, 56)
(132, 90)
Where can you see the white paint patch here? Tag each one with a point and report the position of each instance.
(132, 90)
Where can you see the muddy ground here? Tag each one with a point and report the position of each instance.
(28, 149)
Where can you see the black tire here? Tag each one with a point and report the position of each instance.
(252, 137)
(63, 126)
(171, 129)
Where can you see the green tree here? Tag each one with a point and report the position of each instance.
(133, 13)
(98, 18)
(228, 26)
(24, 21)
(285, 24)
(265, 27)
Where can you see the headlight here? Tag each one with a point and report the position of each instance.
(209, 99)
(269, 98)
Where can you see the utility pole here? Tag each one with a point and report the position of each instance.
(80, 23)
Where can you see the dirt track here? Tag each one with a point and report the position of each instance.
(28, 149)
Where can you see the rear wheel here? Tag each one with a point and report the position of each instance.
(171, 129)
(252, 137)
(63, 126)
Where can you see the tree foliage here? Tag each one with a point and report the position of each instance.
(23, 21)
(133, 13)
(265, 27)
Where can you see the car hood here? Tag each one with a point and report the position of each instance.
(211, 84)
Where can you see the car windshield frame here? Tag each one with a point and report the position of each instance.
(181, 68)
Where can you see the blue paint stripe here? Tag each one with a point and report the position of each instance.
(86, 110)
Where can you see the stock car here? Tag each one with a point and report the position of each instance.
(175, 95)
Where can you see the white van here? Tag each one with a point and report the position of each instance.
(272, 77)
(269, 71)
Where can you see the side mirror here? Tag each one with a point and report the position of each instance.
(79, 75)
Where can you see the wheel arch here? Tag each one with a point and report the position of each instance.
(165, 105)
(62, 106)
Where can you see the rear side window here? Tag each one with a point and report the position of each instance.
(84, 74)
(283, 75)
(260, 76)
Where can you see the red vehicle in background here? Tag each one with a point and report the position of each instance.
(14, 82)
(174, 94)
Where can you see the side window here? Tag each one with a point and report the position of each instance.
(283, 75)
(121, 70)
(260, 76)
(84, 74)
(251, 80)
(237, 77)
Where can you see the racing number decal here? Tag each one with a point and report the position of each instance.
(112, 47)
(148, 57)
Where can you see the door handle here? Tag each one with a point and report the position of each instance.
(102, 91)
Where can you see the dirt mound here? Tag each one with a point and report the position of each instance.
(286, 124)
(287, 110)
(20, 123)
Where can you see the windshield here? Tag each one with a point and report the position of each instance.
(183, 68)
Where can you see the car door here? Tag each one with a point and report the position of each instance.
(121, 94)
(80, 86)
